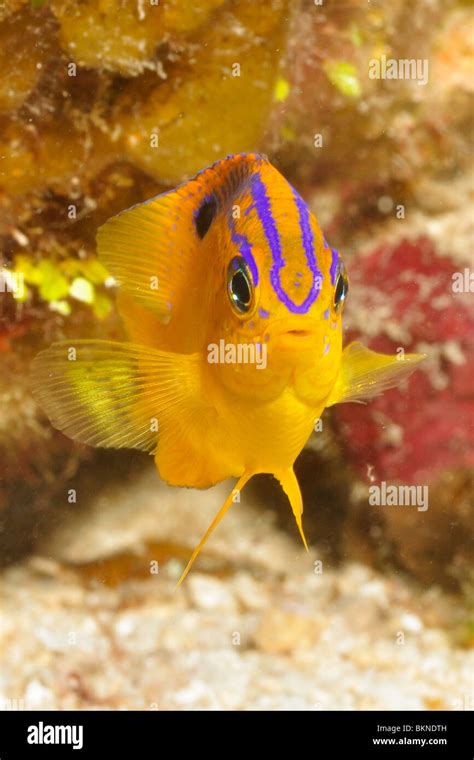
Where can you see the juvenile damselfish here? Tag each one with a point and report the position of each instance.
(232, 301)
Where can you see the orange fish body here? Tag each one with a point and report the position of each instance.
(232, 301)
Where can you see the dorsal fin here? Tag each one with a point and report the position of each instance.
(152, 249)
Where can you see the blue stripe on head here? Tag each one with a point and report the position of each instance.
(263, 208)
(245, 249)
(334, 263)
(307, 237)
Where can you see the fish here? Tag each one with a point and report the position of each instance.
(232, 302)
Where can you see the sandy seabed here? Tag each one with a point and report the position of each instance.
(93, 620)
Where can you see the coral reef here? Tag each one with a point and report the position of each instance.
(105, 103)
(393, 194)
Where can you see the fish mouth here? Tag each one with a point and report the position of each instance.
(295, 335)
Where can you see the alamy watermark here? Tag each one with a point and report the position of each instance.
(237, 353)
(463, 282)
(12, 282)
(416, 69)
(386, 495)
(41, 733)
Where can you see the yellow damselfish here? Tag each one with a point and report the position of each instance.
(232, 301)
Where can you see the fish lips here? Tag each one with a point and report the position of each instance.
(293, 334)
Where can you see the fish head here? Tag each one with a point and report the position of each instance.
(281, 289)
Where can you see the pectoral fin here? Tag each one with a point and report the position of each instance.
(365, 373)
(113, 394)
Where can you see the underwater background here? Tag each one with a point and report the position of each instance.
(105, 103)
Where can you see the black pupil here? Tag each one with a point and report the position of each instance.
(341, 290)
(240, 290)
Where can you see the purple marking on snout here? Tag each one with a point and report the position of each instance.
(263, 313)
(262, 205)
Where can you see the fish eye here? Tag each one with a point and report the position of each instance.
(239, 285)
(341, 289)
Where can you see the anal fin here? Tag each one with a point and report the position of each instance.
(227, 504)
(289, 483)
